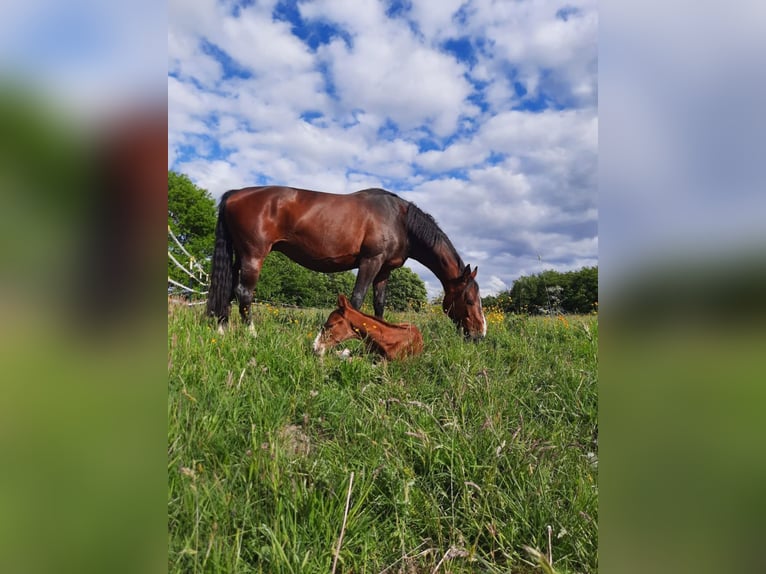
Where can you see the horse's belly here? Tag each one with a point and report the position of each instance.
(317, 260)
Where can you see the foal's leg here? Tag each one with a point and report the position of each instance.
(248, 279)
(368, 269)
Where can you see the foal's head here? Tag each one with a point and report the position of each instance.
(336, 329)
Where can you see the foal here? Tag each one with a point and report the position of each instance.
(389, 340)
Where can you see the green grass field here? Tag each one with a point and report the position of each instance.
(460, 457)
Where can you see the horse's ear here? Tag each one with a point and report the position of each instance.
(466, 271)
(475, 270)
(342, 301)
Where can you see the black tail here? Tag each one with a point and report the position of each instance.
(221, 289)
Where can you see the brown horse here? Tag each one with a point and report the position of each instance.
(373, 230)
(386, 339)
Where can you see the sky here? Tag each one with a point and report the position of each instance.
(483, 113)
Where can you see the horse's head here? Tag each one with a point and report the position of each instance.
(336, 329)
(462, 303)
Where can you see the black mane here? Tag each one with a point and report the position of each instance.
(423, 228)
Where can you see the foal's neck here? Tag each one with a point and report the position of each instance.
(367, 326)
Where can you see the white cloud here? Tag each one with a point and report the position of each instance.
(496, 284)
(459, 155)
(516, 132)
(513, 185)
(389, 71)
(434, 18)
(215, 176)
(186, 59)
(507, 185)
(265, 46)
(544, 50)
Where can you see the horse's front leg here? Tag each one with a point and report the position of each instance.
(379, 293)
(368, 269)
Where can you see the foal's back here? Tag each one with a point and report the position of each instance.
(391, 340)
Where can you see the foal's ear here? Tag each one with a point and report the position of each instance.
(342, 301)
(475, 271)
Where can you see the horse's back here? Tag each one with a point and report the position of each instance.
(286, 204)
(265, 192)
(322, 231)
(260, 194)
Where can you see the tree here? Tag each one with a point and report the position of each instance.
(405, 291)
(284, 281)
(552, 292)
(342, 282)
(524, 294)
(502, 302)
(583, 290)
(192, 218)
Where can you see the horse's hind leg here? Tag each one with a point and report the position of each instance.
(223, 321)
(248, 279)
(245, 300)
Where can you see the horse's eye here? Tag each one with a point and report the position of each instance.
(469, 302)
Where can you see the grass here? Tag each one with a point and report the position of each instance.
(461, 457)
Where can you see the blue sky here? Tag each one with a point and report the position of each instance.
(482, 112)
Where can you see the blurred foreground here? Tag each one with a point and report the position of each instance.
(82, 192)
(682, 271)
(681, 387)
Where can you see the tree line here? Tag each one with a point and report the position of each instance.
(192, 217)
(550, 292)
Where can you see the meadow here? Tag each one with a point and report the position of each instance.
(451, 461)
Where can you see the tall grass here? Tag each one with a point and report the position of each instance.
(462, 456)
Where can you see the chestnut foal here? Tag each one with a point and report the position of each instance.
(389, 340)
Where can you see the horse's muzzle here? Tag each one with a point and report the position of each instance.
(475, 335)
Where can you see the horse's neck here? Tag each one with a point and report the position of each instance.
(440, 260)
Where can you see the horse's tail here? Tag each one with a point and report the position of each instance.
(221, 288)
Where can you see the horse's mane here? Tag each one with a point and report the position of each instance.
(423, 228)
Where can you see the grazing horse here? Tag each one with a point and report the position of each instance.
(386, 339)
(373, 230)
